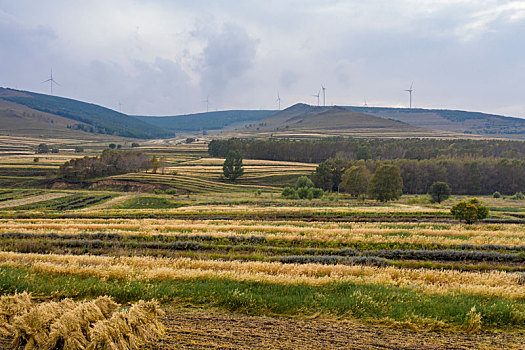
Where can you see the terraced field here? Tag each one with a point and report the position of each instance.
(227, 257)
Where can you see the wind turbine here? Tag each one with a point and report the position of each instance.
(324, 95)
(410, 92)
(51, 81)
(278, 100)
(120, 107)
(366, 105)
(318, 93)
(207, 100)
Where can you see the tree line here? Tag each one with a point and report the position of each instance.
(484, 176)
(467, 166)
(316, 151)
(110, 162)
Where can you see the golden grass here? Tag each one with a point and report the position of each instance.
(12, 306)
(96, 324)
(494, 283)
(347, 232)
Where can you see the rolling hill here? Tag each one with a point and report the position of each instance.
(206, 121)
(307, 121)
(23, 113)
(452, 120)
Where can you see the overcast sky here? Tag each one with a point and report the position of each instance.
(166, 57)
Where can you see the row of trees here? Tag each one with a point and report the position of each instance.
(315, 151)
(110, 162)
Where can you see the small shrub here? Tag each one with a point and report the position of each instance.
(112, 146)
(470, 211)
(303, 181)
(190, 140)
(134, 144)
(36, 160)
(518, 196)
(496, 195)
(79, 149)
(289, 193)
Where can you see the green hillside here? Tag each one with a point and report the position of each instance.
(206, 121)
(90, 117)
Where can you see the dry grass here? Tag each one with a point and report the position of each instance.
(79, 325)
(345, 232)
(12, 306)
(494, 283)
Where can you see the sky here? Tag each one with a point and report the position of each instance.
(161, 57)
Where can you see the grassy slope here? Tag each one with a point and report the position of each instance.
(98, 117)
(206, 121)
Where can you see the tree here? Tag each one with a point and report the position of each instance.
(439, 191)
(386, 184)
(328, 174)
(303, 181)
(469, 211)
(232, 167)
(42, 148)
(155, 164)
(355, 180)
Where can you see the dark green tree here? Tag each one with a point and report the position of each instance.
(439, 191)
(328, 174)
(470, 211)
(232, 167)
(355, 180)
(386, 184)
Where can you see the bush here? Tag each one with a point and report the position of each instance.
(112, 146)
(190, 140)
(518, 196)
(303, 181)
(134, 144)
(36, 160)
(289, 193)
(470, 211)
(79, 149)
(439, 191)
(496, 195)
(42, 148)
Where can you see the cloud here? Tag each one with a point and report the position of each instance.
(229, 53)
(164, 57)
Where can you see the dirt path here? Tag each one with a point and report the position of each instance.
(202, 329)
(33, 199)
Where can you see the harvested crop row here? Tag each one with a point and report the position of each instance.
(497, 284)
(507, 234)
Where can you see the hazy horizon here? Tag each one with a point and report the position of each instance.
(166, 57)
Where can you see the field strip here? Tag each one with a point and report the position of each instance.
(493, 284)
(34, 199)
(110, 203)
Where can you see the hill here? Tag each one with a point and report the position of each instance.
(206, 121)
(23, 112)
(452, 120)
(307, 121)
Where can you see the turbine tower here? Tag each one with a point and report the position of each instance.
(278, 100)
(207, 100)
(366, 105)
(410, 92)
(51, 81)
(317, 95)
(324, 95)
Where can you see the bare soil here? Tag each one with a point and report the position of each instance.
(204, 329)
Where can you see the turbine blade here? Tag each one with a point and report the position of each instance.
(45, 81)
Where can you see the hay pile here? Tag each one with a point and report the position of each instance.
(93, 325)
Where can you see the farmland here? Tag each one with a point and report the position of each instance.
(237, 256)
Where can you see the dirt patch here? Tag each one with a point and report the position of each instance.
(202, 329)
